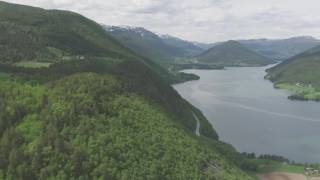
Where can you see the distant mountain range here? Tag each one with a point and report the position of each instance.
(162, 49)
(276, 49)
(188, 48)
(232, 53)
(281, 49)
(206, 46)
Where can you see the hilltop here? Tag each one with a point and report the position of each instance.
(232, 53)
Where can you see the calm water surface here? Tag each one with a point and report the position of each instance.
(250, 114)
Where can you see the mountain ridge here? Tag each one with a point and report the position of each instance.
(281, 49)
(144, 42)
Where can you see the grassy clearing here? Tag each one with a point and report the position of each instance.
(267, 166)
(30, 64)
(301, 92)
(4, 75)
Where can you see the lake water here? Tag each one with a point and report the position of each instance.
(250, 114)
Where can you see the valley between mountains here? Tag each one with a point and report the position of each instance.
(83, 100)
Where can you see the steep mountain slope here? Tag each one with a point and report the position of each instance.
(300, 74)
(98, 111)
(232, 53)
(187, 48)
(146, 43)
(163, 49)
(34, 34)
(281, 49)
(56, 36)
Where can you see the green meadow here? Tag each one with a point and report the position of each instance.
(267, 166)
(32, 64)
(301, 92)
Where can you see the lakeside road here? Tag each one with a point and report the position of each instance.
(198, 125)
(282, 176)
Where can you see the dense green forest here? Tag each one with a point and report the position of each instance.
(94, 109)
(68, 120)
(73, 128)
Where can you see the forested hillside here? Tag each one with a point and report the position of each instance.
(232, 53)
(75, 104)
(34, 34)
(299, 74)
(162, 49)
(72, 127)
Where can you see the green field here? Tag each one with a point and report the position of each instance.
(267, 166)
(4, 75)
(300, 92)
(32, 64)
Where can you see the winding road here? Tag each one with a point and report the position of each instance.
(198, 124)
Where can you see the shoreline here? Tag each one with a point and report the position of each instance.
(282, 176)
(285, 176)
(299, 93)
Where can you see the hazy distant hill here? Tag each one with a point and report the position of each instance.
(146, 43)
(232, 53)
(281, 49)
(188, 48)
(205, 46)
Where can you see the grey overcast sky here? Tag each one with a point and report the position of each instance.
(201, 20)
